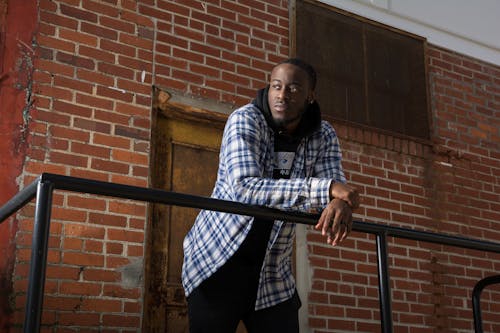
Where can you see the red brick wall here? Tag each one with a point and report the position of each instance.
(449, 186)
(97, 61)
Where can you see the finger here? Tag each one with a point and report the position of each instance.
(349, 223)
(336, 227)
(327, 224)
(321, 220)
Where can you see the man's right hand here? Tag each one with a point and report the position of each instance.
(345, 192)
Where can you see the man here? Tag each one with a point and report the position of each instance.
(275, 152)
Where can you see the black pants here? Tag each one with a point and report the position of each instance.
(228, 296)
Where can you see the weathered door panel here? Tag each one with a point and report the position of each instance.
(186, 145)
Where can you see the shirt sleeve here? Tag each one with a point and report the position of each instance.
(329, 163)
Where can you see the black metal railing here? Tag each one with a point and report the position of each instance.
(42, 188)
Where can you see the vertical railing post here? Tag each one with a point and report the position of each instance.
(476, 300)
(383, 283)
(39, 248)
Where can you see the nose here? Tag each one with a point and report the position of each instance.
(283, 95)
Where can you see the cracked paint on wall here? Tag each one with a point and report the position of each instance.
(17, 28)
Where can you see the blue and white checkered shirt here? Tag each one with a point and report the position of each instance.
(246, 164)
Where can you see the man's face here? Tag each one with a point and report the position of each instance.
(289, 94)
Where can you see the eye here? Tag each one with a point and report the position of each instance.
(276, 86)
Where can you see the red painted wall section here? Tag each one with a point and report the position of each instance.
(18, 20)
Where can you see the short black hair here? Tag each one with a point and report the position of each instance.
(311, 73)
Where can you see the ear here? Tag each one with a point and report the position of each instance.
(311, 97)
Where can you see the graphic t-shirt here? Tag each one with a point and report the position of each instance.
(253, 248)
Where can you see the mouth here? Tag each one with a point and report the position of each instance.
(280, 107)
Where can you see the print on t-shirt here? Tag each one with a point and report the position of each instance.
(283, 162)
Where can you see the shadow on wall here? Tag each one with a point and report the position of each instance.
(5, 309)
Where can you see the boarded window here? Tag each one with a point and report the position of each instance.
(368, 74)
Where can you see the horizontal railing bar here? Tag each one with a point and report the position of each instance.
(18, 201)
(185, 200)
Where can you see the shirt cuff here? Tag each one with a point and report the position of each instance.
(320, 192)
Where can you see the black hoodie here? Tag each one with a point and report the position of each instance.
(310, 122)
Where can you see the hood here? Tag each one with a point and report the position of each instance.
(310, 121)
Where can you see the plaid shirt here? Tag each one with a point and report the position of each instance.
(245, 174)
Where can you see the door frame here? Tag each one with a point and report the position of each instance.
(155, 275)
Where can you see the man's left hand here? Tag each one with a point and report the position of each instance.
(335, 221)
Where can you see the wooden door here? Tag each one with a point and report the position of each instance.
(186, 146)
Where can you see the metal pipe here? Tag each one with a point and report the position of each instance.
(18, 201)
(36, 278)
(186, 200)
(384, 287)
(476, 300)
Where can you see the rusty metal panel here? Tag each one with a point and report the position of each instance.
(368, 74)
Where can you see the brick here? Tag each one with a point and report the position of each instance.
(71, 109)
(121, 320)
(100, 275)
(117, 24)
(96, 54)
(144, 123)
(58, 20)
(89, 174)
(129, 157)
(55, 92)
(136, 41)
(93, 246)
(38, 168)
(68, 159)
(78, 13)
(99, 31)
(126, 236)
(100, 305)
(114, 93)
(91, 125)
(110, 140)
(75, 60)
(97, 78)
(145, 33)
(83, 259)
(115, 290)
(118, 48)
(110, 166)
(127, 208)
(67, 133)
(73, 84)
(135, 86)
(78, 37)
(104, 116)
(94, 101)
(131, 133)
(129, 180)
(53, 118)
(107, 219)
(114, 248)
(116, 70)
(187, 55)
(135, 251)
(72, 244)
(56, 43)
(141, 20)
(101, 8)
